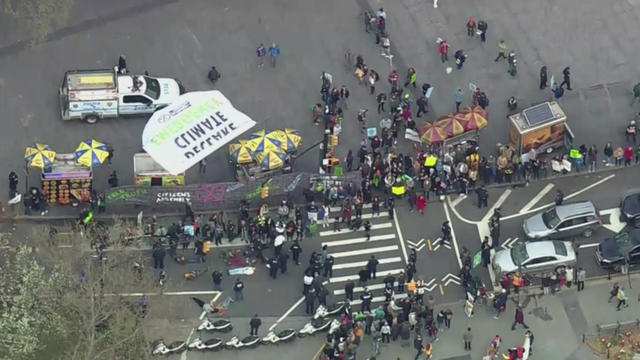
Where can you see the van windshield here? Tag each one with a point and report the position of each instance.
(550, 218)
(153, 88)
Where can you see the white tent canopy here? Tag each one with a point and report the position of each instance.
(192, 127)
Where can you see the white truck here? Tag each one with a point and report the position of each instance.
(91, 95)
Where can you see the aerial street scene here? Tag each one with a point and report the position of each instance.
(320, 180)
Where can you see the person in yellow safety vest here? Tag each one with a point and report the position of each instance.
(430, 161)
(411, 286)
(518, 282)
(398, 188)
(576, 157)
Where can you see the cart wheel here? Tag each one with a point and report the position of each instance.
(91, 119)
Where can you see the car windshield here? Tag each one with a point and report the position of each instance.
(153, 88)
(519, 255)
(560, 248)
(623, 242)
(550, 218)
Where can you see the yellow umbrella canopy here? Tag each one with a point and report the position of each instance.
(263, 144)
(451, 124)
(240, 152)
(434, 135)
(270, 160)
(289, 142)
(476, 118)
(91, 153)
(39, 156)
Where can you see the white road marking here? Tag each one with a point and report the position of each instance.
(361, 288)
(379, 299)
(615, 225)
(359, 240)
(417, 243)
(483, 228)
(509, 243)
(537, 198)
(404, 249)
(364, 251)
(585, 246)
(356, 277)
(458, 214)
(373, 227)
(361, 264)
(364, 217)
(457, 201)
(339, 208)
(453, 235)
(293, 307)
(169, 293)
(449, 278)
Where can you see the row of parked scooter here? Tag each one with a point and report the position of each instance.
(321, 321)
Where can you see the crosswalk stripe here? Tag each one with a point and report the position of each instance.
(356, 277)
(339, 208)
(359, 240)
(361, 264)
(373, 227)
(361, 288)
(364, 217)
(379, 299)
(364, 251)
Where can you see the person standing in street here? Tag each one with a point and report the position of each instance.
(580, 278)
(261, 52)
(401, 278)
(158, 257)
(529, 335)
(283, 258)
(202, 166)
(113, 179)
(310, 298)
(348, 290)
(482, 28)
(483, 197)
(372, 266)
(519, 318)
(559, 197)
(255, 323)
(110, 152)
(422, 103)
(417, 344)
(328, 266)
(366, 298)
(238, 287)
(381, 99)
(443, 50)
(296, 249)
(471, 27)
(543, 77)
(459, 97)
(216, 277)
(502, 51)
(467, 336)
(412, 78)
(373, 78)
(273, 267)
(622, 298)
(274, 52)
(566, 73)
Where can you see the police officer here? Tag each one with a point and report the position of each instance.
(328, 266)
(446, 232)
(273, 267)
(366, 297)
(310, 299)
(282, 262)
(559, 197)
(296, 249)
(372, 265)
(482, 197)
(390, 205)
(322, 296)
(389, 281)
(401, 278)
(348, 290)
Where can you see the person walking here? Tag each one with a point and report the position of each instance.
(459, 97)
(467, 337)
(519, 318)
(614, 291)
(502, 51)
(261, 52)
(274, 52)
(581, 277)
(328, 266)
(566, 73)
(412, 78)
(381, 99)
(622, 298)
(255, 323)
(373, 78)
(365, 299)
(543, 77)
(238, 287)
(443, 50)
(417, 344)
(202, 166)
(158, 257)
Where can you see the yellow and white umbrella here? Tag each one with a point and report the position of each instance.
(91, 153)
(39, 156)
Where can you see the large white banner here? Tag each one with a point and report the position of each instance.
(192, 127)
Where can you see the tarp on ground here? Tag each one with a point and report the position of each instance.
(192, 127)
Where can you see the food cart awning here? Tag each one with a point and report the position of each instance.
(192, 127)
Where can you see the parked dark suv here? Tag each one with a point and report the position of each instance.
(630, 208)
(611, 252)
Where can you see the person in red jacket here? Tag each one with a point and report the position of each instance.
(422, 204)
(628, 155)
(443, 50)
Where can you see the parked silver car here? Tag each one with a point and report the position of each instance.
(534, 257)
(562, 221)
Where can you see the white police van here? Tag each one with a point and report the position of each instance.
(91, 95)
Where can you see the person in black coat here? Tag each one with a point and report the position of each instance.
(273, 267)
(255, 323)
(543, 77)
(566, 73)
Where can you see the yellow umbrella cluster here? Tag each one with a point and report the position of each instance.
(268, 149)
(39, 156)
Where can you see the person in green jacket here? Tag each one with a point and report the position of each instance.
(502, 51)
(637, 154)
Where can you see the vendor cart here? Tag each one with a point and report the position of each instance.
(67, 182)
(542, 127)
(149, 172)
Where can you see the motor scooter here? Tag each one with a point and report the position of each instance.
(250, 341)
(314, 326)
(222, 325)
(160, 348)
(282, 336)
(330, 310)
(214, 344)
(513, 61)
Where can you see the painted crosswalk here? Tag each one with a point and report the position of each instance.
(352, 251)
